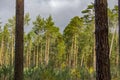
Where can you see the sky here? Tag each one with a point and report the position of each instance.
(61, 10)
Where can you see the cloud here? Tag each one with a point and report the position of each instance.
(63, 3)
(61, 10)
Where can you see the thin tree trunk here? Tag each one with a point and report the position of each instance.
(68, 58)
(102, 45)
(37, 56)
(2, 51)
(19, 42)
(29, 55)
(26, 56)
(112, 41)
(94, 59)
(47, 50)
(34, 56)
(41, 56)
(82, 60)
(7, 57)
(0, 56)
(72, 54)
(75, 51)
(117, 57)
(119, 32)
(12, 51)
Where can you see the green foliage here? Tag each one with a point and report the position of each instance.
(6, 72)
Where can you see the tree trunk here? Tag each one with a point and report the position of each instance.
(29, 53)
(72, 54)
(47, 50)
(34, 56)
(41, 54)
(19, 45)
(111, 46)
(82, 60)
(75, 51)
(119, 31)
(102, 45)
(94, 57)
(12, 51)
(37, 54)
(117, 57)
(2, 51)
(26, 58)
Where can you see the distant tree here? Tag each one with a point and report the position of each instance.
(19, 47)
(71, 36)
(4, 42)
(47, 30)
(28, 45)
(38, 30)
(101, 36)
(89, 20)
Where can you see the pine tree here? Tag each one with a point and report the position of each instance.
(19, 47)
(101, 36)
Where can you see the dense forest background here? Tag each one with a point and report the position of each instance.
(52, 55)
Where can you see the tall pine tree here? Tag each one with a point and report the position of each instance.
(19, 47)
(102, 45)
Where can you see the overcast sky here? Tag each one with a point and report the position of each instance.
(61, 10)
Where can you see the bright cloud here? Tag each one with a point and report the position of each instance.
(63, 3)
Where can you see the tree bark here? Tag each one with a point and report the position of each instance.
(102, 45)
(19, 45)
